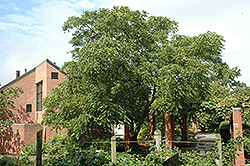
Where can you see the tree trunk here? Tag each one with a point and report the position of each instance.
(169, 130)
(131, 135)
(127, 137)
(134, 145)
(184, 128)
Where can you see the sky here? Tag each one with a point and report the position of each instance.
(31, 30)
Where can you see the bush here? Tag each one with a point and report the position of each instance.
(58, 145)
(86, 158)
(195, 158)
(7, 161)
(29, 149)
(247, 147)
(64, 151)
(143, 134)
(224, 131)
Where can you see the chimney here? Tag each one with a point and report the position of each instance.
(17, 74)
(25, 71)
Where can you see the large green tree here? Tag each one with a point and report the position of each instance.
(7, 96)
(127, 65)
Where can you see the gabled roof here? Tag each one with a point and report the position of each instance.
(29, 72)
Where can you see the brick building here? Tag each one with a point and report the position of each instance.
(36, 84)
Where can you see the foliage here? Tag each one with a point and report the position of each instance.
(127, 65)
(224, 131)
(247, 145)
(86, 158)
(25, 160)
(29, 149)
(7, 96)
(218, 106)
(208, 122)
(229, 150)
(143, 134)
(198, 159)
(192, 132)
(58, 145)
(22, 160)
(151, 157)
(8, 161)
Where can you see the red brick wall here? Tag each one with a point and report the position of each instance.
(28, 84)
(11, 139)
(237, 131)
(53, 83)
(48, 133)
(27, 97)
(30, 131)
(24, 129)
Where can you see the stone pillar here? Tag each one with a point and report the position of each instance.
(157, 137)
(127, 138)
(237, 131)
(151, 127)
(113, 149)
(169, 132)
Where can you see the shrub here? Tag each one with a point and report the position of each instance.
(224, 131)
(7, 161)
(86, 158)
(29, 149)
(143, 134)
(56, 146)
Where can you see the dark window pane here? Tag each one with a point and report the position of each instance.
(39, 96)
(28, 108)
(54, 75)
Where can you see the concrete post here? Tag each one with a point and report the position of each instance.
(218, 140)
(157, 137)
(237, 131)
(113, 149)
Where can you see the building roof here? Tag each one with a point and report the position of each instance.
(29, 72)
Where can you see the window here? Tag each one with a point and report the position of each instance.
(28, 107)
(54, 75)
(39, 96)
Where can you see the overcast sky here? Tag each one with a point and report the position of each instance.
(30, 30)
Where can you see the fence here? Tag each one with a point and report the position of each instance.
(158, 142)
(200, 146)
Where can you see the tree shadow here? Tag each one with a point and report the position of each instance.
(23, 116)
(10, 141)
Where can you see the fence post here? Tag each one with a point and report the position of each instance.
(39, 148)
(157, 137)
(218, 140)
(113, 149)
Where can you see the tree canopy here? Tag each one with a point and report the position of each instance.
(7, 96)
(127, 65)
